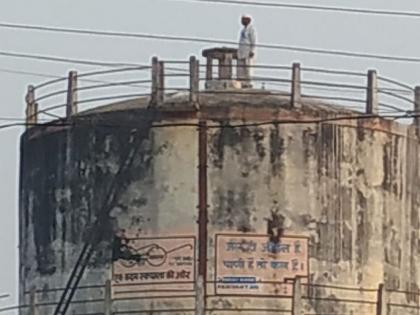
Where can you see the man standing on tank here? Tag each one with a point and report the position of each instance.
(246, 51)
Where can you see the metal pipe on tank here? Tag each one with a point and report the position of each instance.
(202, 206)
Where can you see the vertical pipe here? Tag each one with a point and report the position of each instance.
(71, 107)
(194, 80)
(372, 102)
(31, 107)
(417, 110)
(296, 87)
(202, 207)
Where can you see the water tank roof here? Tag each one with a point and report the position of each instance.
(258, 99)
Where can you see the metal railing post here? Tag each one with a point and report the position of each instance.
(161, 78)
(158, 81)
(372, 101)
(417, 110)
(194, 80)
(33, 302)
(296, 86)
(31, 107)
(108, 298)
(297, 308)
(71, 107)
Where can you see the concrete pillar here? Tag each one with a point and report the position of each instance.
(417, 110)
(200, 300)
(382, 300)
(209, 69)
(194, 80)
(31, 107)
(297, 307)
(372, 102)
(296, 87)
(33, 302)
(225, 67)
(71, 107)
(108, 298)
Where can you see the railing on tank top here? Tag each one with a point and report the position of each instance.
(307, 298)
(364, 95)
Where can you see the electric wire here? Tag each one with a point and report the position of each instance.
(63, 59)
(188, 39)
(409, 14)
(29, 73)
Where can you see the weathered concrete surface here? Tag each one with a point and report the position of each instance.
(66, 178)
(337, 184)
(349, 185)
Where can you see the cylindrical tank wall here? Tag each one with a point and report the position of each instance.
(68, 175)
(350, 188)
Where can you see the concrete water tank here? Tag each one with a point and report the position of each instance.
(219, 199)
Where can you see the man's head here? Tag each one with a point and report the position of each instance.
(246, 19)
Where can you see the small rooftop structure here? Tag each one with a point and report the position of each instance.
(225, 57)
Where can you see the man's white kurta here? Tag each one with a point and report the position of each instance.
(247, 42)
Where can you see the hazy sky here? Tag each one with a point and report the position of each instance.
(363, 33)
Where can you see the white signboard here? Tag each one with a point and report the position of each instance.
(252, 264)
(159, 264)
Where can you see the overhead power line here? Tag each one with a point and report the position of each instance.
(190, 39)
(410, 14)
(29, 73)
(63, 59)
(53, 76)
